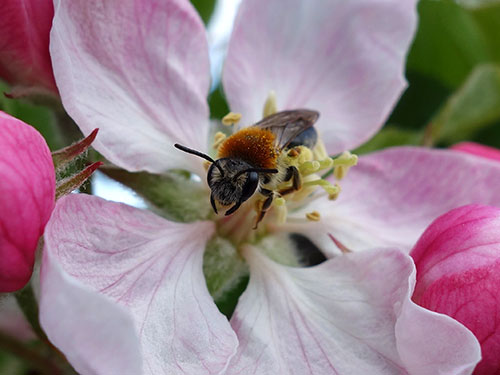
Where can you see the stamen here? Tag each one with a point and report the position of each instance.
(332, 190)
(309, 167)
(313, 216)
(342, 164)
(270, 106)
(218, 139)
(231, 118)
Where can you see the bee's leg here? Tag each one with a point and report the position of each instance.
(292, 173)
(265, 206)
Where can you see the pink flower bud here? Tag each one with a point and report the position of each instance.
(458, 274)
(24, 45)
(478, 150)
(27, 193)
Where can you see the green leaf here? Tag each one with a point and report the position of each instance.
(205, 8)
(388, 137)
(175, 194)
(448, 44)
(40, 117)
(218, 104)
(476, 105)
(487, 17)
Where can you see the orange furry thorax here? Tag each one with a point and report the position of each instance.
(253, 145)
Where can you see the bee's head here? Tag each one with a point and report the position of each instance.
(232, 181)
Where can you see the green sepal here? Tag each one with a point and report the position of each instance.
(175, 194)
(63, 157)
(226, 273)
(73, 182)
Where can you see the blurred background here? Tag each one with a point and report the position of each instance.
(453, 71)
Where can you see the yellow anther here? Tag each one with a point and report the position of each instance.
(346, 159)
(279, 201)
(270, 106)
(305, 154)
(342, 164)
(339, 172)
(325, 163)
(335, 194)
(309, 167)
(313, 216)
(231, 118)
(218, 139)
(294, 152)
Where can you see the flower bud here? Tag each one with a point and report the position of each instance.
(24, 40)
(27, 194)
(458, 274)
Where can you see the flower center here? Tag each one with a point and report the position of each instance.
(312, 164)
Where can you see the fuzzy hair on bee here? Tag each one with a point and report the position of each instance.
(253, 159)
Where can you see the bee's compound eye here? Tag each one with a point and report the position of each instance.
(250, 186)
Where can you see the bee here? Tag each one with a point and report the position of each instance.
(254, 159)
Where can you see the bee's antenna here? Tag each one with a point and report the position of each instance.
(258, 170)
(200, 154)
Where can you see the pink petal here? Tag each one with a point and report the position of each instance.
(96, 335)
(391, 196)
(478, 149)
(138, 70)
(344, 59)
(458, 265)
(348, 315)
(24, 43)
(27, 191)
(152, 268)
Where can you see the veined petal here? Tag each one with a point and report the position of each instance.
(27, 193)
(458, 268)
(391, 196)
(153, 269)
(96, 335)
(137, 70)
(344, 59)
(24, 43)
(345, 316)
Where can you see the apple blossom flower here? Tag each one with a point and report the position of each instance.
(133, 280)
(24, 46)
(478, 149)
(27, 196)
(458, 267)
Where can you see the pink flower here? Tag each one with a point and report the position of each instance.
(27, 191)
(458, 274)
(24, 45)
(133, 281)
(478, 149)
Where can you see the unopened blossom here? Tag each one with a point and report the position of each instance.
(133, 281)
(27, 196)
(458, 274)
(24, 46)
(478, 150)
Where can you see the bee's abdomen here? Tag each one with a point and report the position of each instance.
(252, 145)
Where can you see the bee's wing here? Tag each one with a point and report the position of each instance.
(287, 125)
